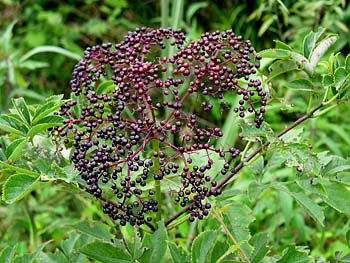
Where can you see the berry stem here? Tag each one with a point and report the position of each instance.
(157, 186)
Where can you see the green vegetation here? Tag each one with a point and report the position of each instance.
(280, 178)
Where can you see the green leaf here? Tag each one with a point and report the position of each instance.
(21, 107)
(135, 247)
(320, 50)
(7, 254)
(106, 86)
(220, 251)
(9, 123)
(27, 93)
(95, 229)
(7, 36)
(254, 190)
(237, 218)
(308, 44)
(14, 149)
(44, 124)
(300, 84)
(292, 255)
(282, 66)
(105, 253)
(286, 204)
(251, 133)
(267, 23)
(193, 8)
(259, 242)
(336, 165)
(339, 77)
(327, 80)
(310, 40)
(257, 167)
(52, 104)
(313, 209)
(346, 258)
(57, 257)
(18, 169)
(29, 258)
(276, 53)
(156, 244)
(177, 253)
(201, 246)
(68, 244)
(32, 65)
(348, 237)
(347, 63)
(282, 45)
(45, 49)
(17, 186)
(338, 196)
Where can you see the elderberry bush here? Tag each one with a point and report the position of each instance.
(128, 138)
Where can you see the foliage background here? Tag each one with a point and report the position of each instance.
(54, 210)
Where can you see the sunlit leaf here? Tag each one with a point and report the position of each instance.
(52, 104)
(22, 110)
(7, 36)
(53, 49)
(14, 149)
(339, 77)
(320, 50)
(44, 124)
(266, 24)
(281, 45)
(18, 169)
(9, 123)
(18, 186)
(277, 53)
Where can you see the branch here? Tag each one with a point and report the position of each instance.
(240, 165)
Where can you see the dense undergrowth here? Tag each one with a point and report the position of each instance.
(174, 145)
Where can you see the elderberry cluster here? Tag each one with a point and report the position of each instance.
(135, 118)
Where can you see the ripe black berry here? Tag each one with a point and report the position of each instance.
(114, 130)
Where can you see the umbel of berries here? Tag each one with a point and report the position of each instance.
(136, 119)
